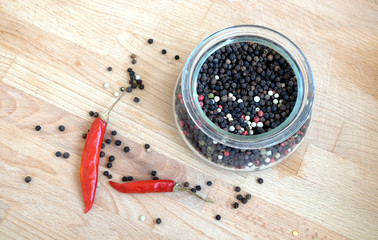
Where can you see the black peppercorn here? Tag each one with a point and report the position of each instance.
(58, 154)
(84, 136)
(150, 41)
(186, 184)
(95, 115)
(141, 86)
(111, 158)
(177, 57)
(110, 176)
(136, 99)
(109, 69)
(102, 154)
(193, 190)
(153, 173)
(237, 189)
(108, 141)
(147, 146)
(163, 51)
(37, 128)
(239, 197)
(260, 180)
(158, 221)
(106, 173)
(124, 179)
(155, 178)
(126, 149)
(129, 178)
(28, 179)
(66, 155)
(129, 89)
(129, 69)
(114, 132)
(248, 196)
(61, 128)
(102, 146)
(218, 217)
(236, 205)
(91, 113)
(244, 200)
(109, 165)
(133, 61)
(198, 188)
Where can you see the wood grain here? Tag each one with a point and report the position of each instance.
(53, 60)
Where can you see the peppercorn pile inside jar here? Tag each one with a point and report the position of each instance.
(245, 89)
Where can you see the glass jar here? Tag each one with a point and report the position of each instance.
(239, 152)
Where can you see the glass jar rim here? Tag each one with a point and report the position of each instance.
(264, 36)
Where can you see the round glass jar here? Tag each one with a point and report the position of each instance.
(229, 150)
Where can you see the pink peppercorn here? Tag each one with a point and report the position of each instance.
(286, 152)
(226, 153)
(196, 127)
(260, 113)
(272, 160)
(179, 96)
(245, 133)
(243, 117)
(256, 119)
(220, 107)
(184, 132)
(282, 144)
(181, 123)
(257, 162)
(201, 98)
(201, 104)
(181, 101)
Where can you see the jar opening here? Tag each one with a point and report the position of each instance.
(263, 36)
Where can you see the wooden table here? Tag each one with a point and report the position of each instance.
(53, 60)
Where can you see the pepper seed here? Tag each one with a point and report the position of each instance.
(28, 179)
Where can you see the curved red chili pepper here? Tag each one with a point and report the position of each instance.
(90, 160)
(91, 155)
(144, 186)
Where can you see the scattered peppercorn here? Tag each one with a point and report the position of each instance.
(109, 69)
(193, 190)
(37, 128)
(260, 180)
(114, 132)
(61, 128)
(163, 51)
(136, 99)
(198, 188)
(158, 221)
(118, 142)
(130, 178)
(237, 189)
(133, 61)
(124, 179)
(141, 86)
(28, 179)
(111, 158)
(66, 155)
(248, 196)
(84, 135)
(102, 154)
(177, 57)
(91, 113)
(209, 183)
(218, 217)
(106, 173)
(129, 69)
(153, 173)
(244, 200)
(236, 205)
(239, 197)
(103, 146)
(126, 149)
(122, 89)
(147, 146)
(155, 178)
(58, 154)
(186, 184)
(108, 141)
(129, 89)
(110, 176)
(150, 41)
(95, 115)
(109, 165)
(133, 56)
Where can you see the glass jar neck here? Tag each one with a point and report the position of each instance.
(264, 36)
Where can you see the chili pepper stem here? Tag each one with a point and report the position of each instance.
(179, 187)
(105, 116)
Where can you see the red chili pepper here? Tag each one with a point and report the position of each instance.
(91, 155)
(152, 186)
